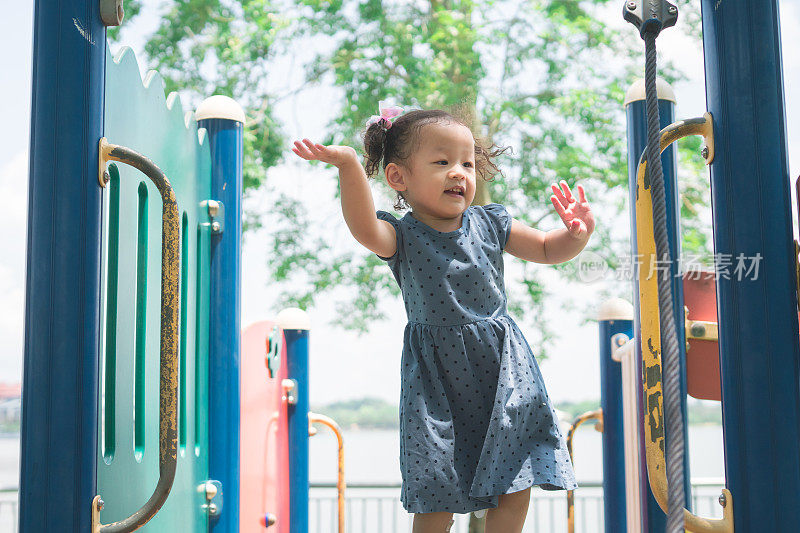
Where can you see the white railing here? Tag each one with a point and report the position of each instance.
(8, 510)
(376, 508)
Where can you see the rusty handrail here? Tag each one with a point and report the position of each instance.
(585, 417)
(647, 283)
(168, 388)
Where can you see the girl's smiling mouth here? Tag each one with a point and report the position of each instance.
(455, 191)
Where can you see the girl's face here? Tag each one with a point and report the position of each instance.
(444, 159)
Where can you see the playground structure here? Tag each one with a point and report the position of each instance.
(124, 189)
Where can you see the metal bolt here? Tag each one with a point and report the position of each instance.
(722, 500)
(100, 505)
(106, 177)
(631, 6)
(212, 508)
(672, 10)
(705, 152)
(215, 226)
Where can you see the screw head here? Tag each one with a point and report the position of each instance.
(672, 10)
(215, 226)
(100, 505)
(106, 177)
(704, 153)
(631, 6)
(722, 500)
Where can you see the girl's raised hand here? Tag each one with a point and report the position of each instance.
(575, 212)
(333, 154)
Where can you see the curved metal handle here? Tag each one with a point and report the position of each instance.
(651, 334)
(168, 393)
(585, 417)
(340, 486)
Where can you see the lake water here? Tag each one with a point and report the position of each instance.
(373, 455)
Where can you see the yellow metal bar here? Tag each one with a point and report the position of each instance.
(651, 334)
(585, 417)
(701, 330)
(168, 389)
(340, 485)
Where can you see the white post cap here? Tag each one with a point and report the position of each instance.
(293, 318)
(219, 106)
(636, 91)
(615, 309)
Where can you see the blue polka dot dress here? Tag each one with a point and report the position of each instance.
(475, 418)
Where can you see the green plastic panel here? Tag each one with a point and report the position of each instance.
(138, 116)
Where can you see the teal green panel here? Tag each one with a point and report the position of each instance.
(138, 116)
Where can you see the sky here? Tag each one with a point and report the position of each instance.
(343, 364)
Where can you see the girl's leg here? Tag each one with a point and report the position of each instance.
(509, 515)
(432, 522)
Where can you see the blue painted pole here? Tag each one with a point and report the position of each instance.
(58, 461)
(295, 325)
(758, 331)
(653, 517)
(223, 119)
(615, 317)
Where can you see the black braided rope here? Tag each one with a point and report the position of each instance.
(669, 338)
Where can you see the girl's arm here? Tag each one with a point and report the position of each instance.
(560, 245)
(357, 205)
(552, 247)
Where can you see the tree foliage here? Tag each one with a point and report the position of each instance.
(546, 77)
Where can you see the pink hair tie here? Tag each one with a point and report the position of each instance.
(387, 115)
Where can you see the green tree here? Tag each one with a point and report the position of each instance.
(546, 77)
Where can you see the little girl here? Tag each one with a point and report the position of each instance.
(477, 428)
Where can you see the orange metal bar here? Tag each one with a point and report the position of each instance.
(340, 485)
(585, 417)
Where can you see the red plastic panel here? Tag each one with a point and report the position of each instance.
(702, 357)
(264, 449)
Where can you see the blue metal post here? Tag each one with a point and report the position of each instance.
(60, 381)
(653, 516)
(758, 333)
(297, 369)
(223, 119)
(613, 319)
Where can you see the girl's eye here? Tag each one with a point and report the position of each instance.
(468, 164)
(442, 162)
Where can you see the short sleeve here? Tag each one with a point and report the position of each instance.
(391, 219)
(500, 220)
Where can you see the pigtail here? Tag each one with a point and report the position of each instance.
(485, 153)
(374, 148)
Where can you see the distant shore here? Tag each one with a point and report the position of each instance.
(375, 413)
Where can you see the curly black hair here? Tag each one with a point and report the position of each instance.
(396, 144)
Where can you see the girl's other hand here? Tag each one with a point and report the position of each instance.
(333, 154)
(575, 212)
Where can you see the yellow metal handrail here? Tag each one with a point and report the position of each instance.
(651, 333)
